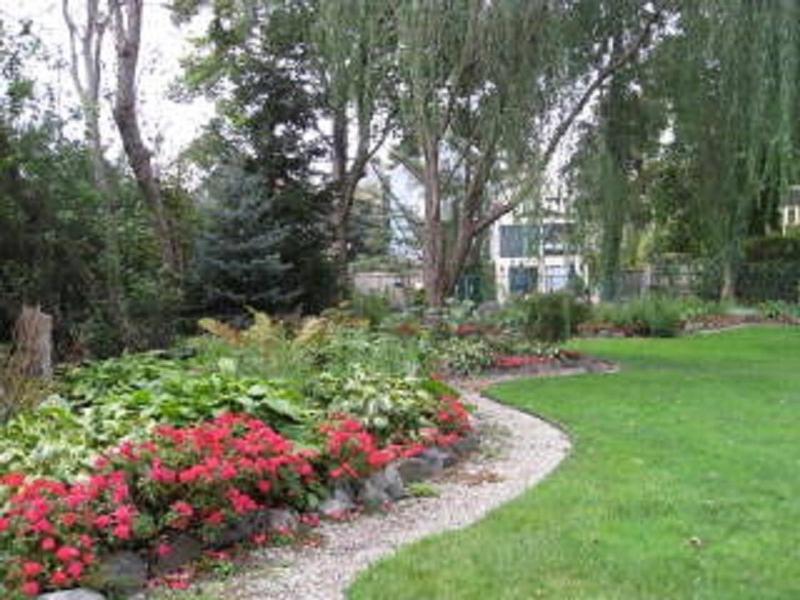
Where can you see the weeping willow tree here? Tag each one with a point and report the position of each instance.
(487, 91)
(734, 88)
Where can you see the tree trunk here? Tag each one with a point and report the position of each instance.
(33, 343)
(728, 291)
(341, 212)
(88, 89)
(127, 29)
(433, 267)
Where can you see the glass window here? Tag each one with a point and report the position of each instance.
(557, 278)
(518, 241)
(522, 280)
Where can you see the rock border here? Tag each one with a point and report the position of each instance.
(518, 451)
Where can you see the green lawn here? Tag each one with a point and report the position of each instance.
(684, 483)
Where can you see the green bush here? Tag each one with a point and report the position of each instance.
(374, 308)
(464, 355)
(105, 402)
(388, 406)
(656, 316)
(553, 318)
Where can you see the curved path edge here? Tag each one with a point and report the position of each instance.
(518, 451)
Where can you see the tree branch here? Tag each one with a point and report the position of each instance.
(498, 210)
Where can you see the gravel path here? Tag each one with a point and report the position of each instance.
(518, 451)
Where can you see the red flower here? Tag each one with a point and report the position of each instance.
(30, 588)
(67, 553)
(184, 509)
(12, 479)
(59, 579)
(164, 549)
(4, 523)
(215, 518)
(32, 569)
(122, 532)
(102, 521)
(48, 544)
(75, 570)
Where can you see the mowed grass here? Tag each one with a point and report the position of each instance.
(684, 482)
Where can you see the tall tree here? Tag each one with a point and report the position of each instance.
(86, 51)
(734, 85)
(126, 18)
(490, 89)
(344, 49)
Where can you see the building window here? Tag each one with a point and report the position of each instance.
(556, 239)
(522, 280)
(790, 216)
(556, 278)
(518, 241)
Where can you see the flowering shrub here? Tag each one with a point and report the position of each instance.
(50, 531)
(354, 453)
(201, 478)
(205, 476)
(198, 477)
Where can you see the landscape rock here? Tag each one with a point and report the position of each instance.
(440, 458)
(466, 445)
(243, 529)
(184, 549)
(76, 594)
(395, 487)
(339, 502)
(282, 519)
(121, 573)
(417, 469)
(372, 493)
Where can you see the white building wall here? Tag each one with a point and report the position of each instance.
(544, 264)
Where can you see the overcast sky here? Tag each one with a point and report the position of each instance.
(170, 124)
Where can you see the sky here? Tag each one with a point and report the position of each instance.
(168, 126)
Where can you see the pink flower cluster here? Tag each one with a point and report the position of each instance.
(201, 478)
(354, 453)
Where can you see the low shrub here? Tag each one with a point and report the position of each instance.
(553, 318)
(649, 316)
(201, 479)
(391, 408)
(106, 402)
(464, 356)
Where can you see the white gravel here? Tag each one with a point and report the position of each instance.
(518, 451)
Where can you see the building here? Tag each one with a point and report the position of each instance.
(790, 209)
(535, 254)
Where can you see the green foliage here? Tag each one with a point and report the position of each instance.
(105, 402)
(372, 307)
(464, 355)
(422, 489)
(553, 318)
(778, 309)
(772, 248)
(358, 348)
(654, 315)
(387, 405)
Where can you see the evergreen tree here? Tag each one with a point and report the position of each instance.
(239, 260)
